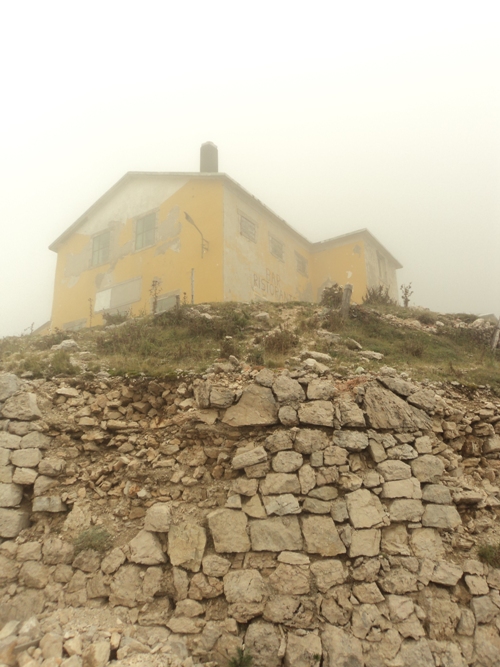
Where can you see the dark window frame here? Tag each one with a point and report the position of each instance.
(276, 248)
(100, 250)
(248, 228)
(302, 264)
(145, 231)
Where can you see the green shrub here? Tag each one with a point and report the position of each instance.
(241, 659)
(331, 297)
(427, 318)
(60, 364)
(96, 538)
(115, 318)
(280, 341)
(490, 553)
(414, 347)
(379, 296)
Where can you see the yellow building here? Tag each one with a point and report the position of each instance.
(196, 238)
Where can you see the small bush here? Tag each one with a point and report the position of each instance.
(331, 297)
(414, 347)
(228, 348)
(427, 318)
(256, 356)
(96, 538)
(241, 659)
(490, 553)
(115, 318)
(281, 341)
(60, 364)
(379, 296)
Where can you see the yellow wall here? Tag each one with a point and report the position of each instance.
(176, 252)
(341, 264)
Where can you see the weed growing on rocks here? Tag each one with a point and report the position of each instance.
(95, 538)
(241, 659)
(490, 553)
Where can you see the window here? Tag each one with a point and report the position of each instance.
(165, 303)
(301, 264)
(248, 229)
(100, 249)
(145, 231)
(276, 248)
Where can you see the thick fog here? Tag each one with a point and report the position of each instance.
(338, 116)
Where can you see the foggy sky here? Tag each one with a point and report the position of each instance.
(338, 116)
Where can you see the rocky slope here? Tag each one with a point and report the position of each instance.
(312, 519)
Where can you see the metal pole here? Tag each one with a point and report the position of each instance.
(346, 301)
(192, 286)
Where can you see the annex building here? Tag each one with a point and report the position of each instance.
(198, 237)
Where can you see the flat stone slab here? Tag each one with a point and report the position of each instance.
(277, 534)
(256, 407)
(321, 536)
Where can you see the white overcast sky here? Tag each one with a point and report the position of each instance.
(337, 115)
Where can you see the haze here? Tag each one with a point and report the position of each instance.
(338, 116)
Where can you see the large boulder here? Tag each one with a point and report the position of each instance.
(186, 545)
(22, 407)
(256, 407)
(385, 410)
(229, 531)
(278, 534)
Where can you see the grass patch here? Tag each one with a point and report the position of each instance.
(490, 553)
(95, 538)
(241, 659)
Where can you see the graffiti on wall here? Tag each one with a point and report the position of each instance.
(270, 287)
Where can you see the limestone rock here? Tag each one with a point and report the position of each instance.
(125, 586)
(9, 384)
(97, 654)
(221, 397)
(365, 509)
(340, 649)
(309, 440)
(446, 574)
(486, 646)
(353, 441)
(394, 470)
(425, 399)
(320, 389)
(328, 573)
(56, 551)
(254, 508)
(287, 461)
(403, 488)
(158, 518)
(319, 413)
(26, 458)
(445, 517)
(349, 414)
(24, 476)
(427, 468)
(245, 487)
(215, 566)
(186, 545)
(35, 440)
(9, 441)
(290, 579)
(48, 504)
(262, 640)
(287, 390)
(302, 651)
(277, 483)
(12, 521)
(22, 407)
(255, 407)
(321, 536)
(146, 549)
(307, 479)
(365, 543)
(406, 510)
(10, 495)
(288, 416)
(277, 534)
(437, 494)
(249, 458)
(281, 505)
(385, 410)
(399, 582)
(229, 531)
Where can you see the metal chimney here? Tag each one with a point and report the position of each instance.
(209, 158)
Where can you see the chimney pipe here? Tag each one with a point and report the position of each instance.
(209, 158)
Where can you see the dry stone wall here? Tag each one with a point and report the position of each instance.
(312, 519)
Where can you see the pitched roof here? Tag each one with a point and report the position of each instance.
(130, 175)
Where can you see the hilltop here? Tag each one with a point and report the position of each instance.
(189, 339)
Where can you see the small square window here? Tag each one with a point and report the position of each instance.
(145, 231)
(301, 264)
(276, 248)
(248, 229)
(100, 249)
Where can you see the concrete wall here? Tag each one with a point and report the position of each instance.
(380, 268)
(124, 281)
(340, 262)
(251, 271)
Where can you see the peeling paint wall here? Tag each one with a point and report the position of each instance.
(251, 271)
(123, 282)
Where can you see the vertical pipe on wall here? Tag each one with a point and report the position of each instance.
(192, 285)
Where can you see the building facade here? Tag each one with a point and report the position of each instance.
(197, 238)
